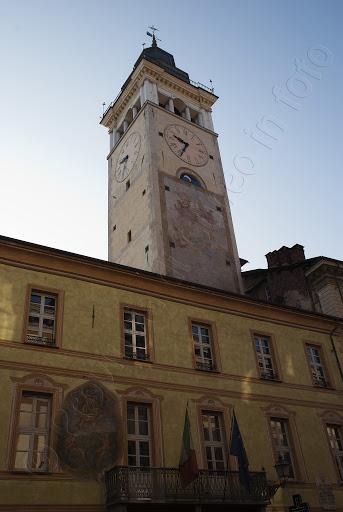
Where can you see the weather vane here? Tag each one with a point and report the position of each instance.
(154, 38)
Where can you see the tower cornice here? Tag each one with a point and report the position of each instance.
(150, 71)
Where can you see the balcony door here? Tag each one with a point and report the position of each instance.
(139, 449)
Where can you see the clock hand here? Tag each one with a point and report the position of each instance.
(184, 149)
(123, 160)
(179, 139)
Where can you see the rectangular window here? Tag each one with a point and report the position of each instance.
(214, 440)
(33, 430)
(135, 335)
(282, 442)
(41, 322)
(265, 360)
(203, 349)
(336, 443)
(139, 435)
(315, 360)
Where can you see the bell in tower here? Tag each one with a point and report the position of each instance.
(168, 210)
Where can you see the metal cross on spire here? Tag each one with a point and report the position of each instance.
(154, 38)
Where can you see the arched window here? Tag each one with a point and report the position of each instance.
(179, 107)
(189, 178)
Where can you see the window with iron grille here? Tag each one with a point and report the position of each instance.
(135, 335)
(315, 360)
(336, 443)
(33, 432)
(139, 435)
(282, 443)
(203, 349)
(41, 324)
(214, 440)
(266, 364)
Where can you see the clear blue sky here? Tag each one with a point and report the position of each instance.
(61, 59)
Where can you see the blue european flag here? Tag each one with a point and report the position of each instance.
(237, 449)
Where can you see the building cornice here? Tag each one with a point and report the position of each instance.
(54, 261)
(332, 401)
(330, 268)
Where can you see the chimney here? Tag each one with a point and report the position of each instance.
(286, 256)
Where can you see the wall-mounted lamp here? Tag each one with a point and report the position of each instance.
(283, 469)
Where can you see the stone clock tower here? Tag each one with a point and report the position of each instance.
(168, 210)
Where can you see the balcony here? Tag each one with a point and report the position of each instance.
(163, 485)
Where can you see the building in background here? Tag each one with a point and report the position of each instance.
(291, 279)
(100, 360)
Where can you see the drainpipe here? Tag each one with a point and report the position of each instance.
(335, 351)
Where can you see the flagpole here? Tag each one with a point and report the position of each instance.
(237, 448)
(231, 430)
(228, 455)
(188, 464)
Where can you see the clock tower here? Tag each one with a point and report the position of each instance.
(168, 209)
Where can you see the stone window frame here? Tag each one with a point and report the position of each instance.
(147, 312)
(58, 315)
(136, 437)
(214, 343)
(34, 432)
(275, 357)
(213, 444)
(34, 383)
(281, 412)
(138, 395)
(328, 376)
(214, 404)
(332, 418)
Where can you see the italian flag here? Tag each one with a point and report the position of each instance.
(188, 461)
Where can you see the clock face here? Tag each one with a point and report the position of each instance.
(186, 145)
(127, 156)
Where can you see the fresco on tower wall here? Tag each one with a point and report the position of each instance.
(89, 431)
(197, 228)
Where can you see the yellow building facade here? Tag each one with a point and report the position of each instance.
(108, 369)
(282, 405)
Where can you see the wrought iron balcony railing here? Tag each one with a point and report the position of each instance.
(142, 356)
(270, 375)
(40, 340)
(206, 366)
(163, 485)
(321, 382)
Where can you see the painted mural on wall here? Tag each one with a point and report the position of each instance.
(89, 431)
(193, 224)
(196, 226)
